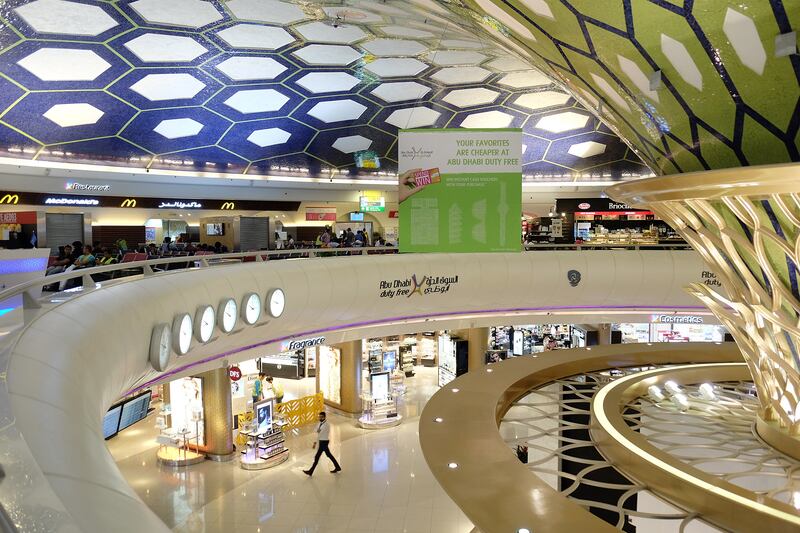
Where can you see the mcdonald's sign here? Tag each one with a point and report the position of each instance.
(128, 202)
(10, 199)
(229, 206)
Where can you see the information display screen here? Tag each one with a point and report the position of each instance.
(380, 386)
(263, 416)
(134, 410)
(111, 422)
(389, 360)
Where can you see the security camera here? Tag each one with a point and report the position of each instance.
(336, 21)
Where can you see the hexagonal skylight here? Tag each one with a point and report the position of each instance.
(325, 33)
(508, 64)
(244, 68)
(257, 101)
(351, 15)
(177, 128)
(68, 115)
(159, 87)
(162, 48)
(272, 11)
(456, 57)
(256, 37)
(586, 149)
(396, 67)
(394, 47)
(327, 82)
(542, 100)
(327, 54)
(400, 91)
(488, 119)
(404, 31)
(413, 117)
(187, 13)
(525, 80)
(64, 64)
(352, 143)
(269, 137)
(461, 75)
(471, 97)
(561, 122)
(337, 110)
(65, 18)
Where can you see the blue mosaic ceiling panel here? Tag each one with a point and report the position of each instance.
(256, 86)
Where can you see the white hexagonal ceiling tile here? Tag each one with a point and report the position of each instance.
(337, 110)
(321, 32)
(394, 47)
(400, 91)
(508, 64)
(68, 115)
(413, 117)
(243, 68)
(460, 43)
(404, 31)
(513, 24)
(327, 82)
(266, 11)
(187, 13)
(461, 75)
(67, 18)
(158, 87)
(327, 54)
(587, 149)
(161, 48)
(256, 37)
(560, 122)
(525, 80)
(682, 61)
(471, 97)
(540, 7)
(64, 64)
(395, 67)
(542, 100)
(257, 101)
(742, 32)
(175, 128)
(639, 78)
(269, 137)
(488, 119)
(352, 143)
(610, 92)
(349, 14)
(456, 57)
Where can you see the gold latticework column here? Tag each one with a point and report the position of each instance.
(746, 225)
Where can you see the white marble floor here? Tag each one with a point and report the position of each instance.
(385, 485)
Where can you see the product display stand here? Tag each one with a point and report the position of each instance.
(174, 449)
(379, 414)
(264, 450)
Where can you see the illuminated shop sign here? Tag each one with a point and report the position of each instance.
(581, 205)
(74, 186)
(370, 204)
(180, 205)
(410, 286)
(679, 319)
(72, 201)
(291, 346)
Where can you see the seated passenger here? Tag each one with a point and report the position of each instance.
(86, 259)
(65, 259)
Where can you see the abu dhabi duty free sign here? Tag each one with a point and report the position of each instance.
(460, 190)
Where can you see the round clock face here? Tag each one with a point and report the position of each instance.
(251, 308)
(227, 315)
(204, 321)
(276, 302)
(160, 349)
(182, 333)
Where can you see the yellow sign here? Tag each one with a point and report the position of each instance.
(230, 206)
(10, 199)
(128, 202)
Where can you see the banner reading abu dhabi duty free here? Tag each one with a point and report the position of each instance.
(460, 190)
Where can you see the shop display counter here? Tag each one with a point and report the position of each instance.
(379, 414)
(173, 449)
(264, 450)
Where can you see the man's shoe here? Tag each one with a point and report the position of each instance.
(308, 472)
(336, 470)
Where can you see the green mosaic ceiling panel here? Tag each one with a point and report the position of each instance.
(725, 98)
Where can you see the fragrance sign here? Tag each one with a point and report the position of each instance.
(413, 285)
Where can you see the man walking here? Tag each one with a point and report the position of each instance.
(323, 440)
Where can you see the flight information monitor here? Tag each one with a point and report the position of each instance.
(134, 410)
(111, 421)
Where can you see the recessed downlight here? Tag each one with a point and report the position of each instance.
(438, 419)
(452, 466)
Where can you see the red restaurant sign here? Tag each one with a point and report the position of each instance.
(22, 217)
(319, 214)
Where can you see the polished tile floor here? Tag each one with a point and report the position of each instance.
(385, 485)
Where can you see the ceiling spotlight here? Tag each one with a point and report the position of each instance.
(523, 530)
(681, 401)
(707, 392)
(452, 466)
(438, 420)
(455, 390)
(672, 387)
(655, 393)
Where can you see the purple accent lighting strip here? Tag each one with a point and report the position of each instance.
(451, 315)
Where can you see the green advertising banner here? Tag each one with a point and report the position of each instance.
(460, 190)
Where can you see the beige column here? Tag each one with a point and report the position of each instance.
(350, 378)
(478, 343)
(218, 414)
(603, 334)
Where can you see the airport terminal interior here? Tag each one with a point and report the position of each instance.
(401, 266)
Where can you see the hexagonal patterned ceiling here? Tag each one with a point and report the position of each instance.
(254, 86)
(691, 84)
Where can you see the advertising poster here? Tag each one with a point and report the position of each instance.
(263, 416)
(460, 190)
(186, 402)
(329, 371)
(379, 385)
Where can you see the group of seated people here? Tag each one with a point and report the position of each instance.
(348, 239)
(78, 255)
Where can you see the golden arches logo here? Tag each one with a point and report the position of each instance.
(10, 199)
(228, 206)
(128, 202)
